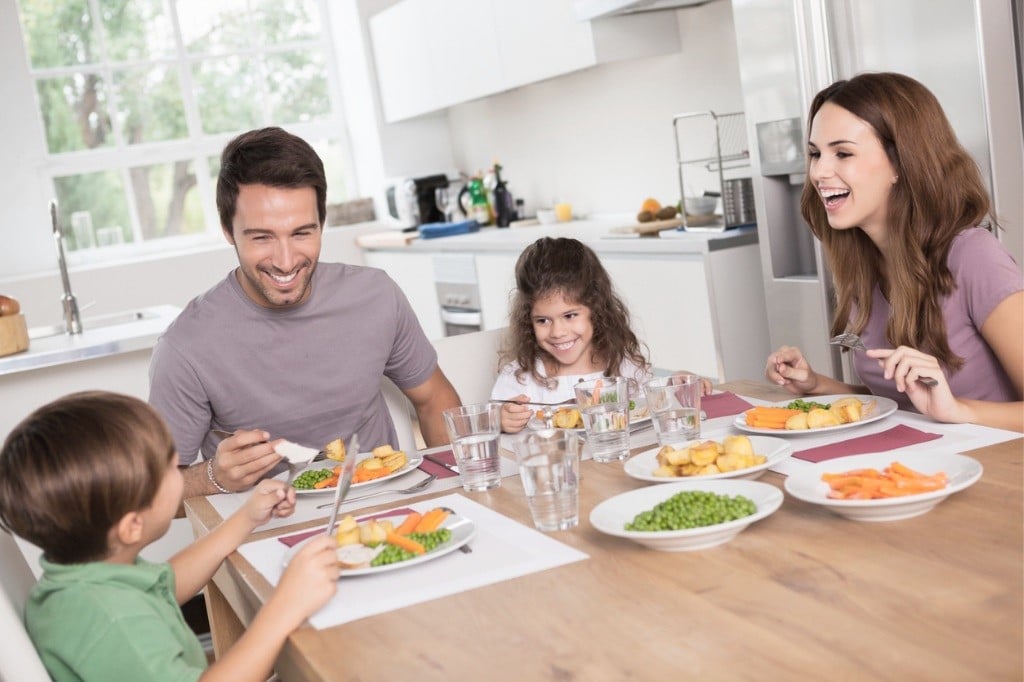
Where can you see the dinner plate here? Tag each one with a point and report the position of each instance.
(611, 516)
(642, 466)
(882, 408)
(962, 472)
(462, 530)
(414, 461)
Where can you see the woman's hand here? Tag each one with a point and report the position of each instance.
(269, 498)
(905, 366)
(514, 416)
(787, 367)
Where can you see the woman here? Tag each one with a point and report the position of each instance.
(900, 208)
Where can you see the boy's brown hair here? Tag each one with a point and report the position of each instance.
(73, 468)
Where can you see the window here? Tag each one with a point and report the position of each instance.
(139, 97)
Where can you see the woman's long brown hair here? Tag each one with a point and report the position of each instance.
(938, 194)
(567, 266)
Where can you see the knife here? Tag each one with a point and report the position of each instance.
(347, 470)
(440, 463)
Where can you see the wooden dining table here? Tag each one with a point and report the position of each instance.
(802, 594)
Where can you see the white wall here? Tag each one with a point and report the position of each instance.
(602, 138)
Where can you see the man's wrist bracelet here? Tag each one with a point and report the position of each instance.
(209, 475)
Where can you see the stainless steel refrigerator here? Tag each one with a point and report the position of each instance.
(968, 52)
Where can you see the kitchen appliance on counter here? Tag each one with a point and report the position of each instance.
(962, 50)
(458, 293)
(411, 201)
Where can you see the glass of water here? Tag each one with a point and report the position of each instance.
(604, 403)
(474, 432)
(549, 466)
(674, 405)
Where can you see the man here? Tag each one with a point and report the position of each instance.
(285, 347)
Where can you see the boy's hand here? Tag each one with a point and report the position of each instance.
(244, 458)
(311, 578)
(269, 498)
(514, 416)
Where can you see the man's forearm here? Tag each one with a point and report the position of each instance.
(196, 481)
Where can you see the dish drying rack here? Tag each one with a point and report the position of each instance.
(728, 150)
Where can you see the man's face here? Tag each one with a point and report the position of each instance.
(276, 234)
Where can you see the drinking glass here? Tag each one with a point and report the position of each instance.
(549, 466)
(443, 199)
(674, 406)
(474, 432)
(604, 403)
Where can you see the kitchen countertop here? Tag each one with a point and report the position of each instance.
(101, 336)
(595, 233)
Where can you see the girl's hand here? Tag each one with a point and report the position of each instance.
(514, 416)
(269, 498)
(787, 367)
(311, 578)
(905, 366)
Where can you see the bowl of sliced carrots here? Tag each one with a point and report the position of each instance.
(884, 486)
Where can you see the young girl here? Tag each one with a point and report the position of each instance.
(900, 208)
(566, 325)
(92, 479)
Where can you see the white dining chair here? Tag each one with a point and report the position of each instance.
(401, 414)
(470, 361)
(19, 661)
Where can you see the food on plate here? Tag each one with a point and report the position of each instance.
(376, 542)
(708, 457)
(692, 509)
(9, 306)
(385, 460)
(564, 418)
(295, 453)
(335, 450)
(895, 480)
(801, 415)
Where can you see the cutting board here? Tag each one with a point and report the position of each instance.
(13, 334)
(653, 227)
(384, 239)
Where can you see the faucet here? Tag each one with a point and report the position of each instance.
(72, 320)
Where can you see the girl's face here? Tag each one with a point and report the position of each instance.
(563, 328)
(851, 171)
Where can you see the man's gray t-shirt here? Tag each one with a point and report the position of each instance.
(309, 373)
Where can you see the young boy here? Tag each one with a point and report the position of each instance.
(92, 478)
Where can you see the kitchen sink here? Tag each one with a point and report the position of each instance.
(97, 322)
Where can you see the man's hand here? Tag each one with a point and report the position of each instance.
(244, 458)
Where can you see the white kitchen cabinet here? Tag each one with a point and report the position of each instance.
(670, 308)
(431, 54)
(414, 274)
(496, 279)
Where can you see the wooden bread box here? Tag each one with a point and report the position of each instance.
(13, 334)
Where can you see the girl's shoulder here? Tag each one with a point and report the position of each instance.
(976, 247)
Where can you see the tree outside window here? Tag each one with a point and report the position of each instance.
(138, 97)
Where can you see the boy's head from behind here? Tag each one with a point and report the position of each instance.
(74, 468)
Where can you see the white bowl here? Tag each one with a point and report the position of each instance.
(642, 466)
(546, 216)
(612, 515)
(962, 472)
(702, 205)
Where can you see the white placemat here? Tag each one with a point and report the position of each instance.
(306, 505)
(955, 437)
(502, 549)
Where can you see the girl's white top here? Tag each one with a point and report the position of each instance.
(507, 386)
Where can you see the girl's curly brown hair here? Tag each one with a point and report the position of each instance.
(568, 267)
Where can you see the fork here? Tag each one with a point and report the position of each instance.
(853, 342)
(406, 491)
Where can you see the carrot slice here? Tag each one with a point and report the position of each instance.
(409, 523)
(408, 544)
(326, 483)
(432, 520)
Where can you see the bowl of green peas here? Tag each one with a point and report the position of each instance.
(685, 516)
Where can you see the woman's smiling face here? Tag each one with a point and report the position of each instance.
(563, 328)
(851, 171)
